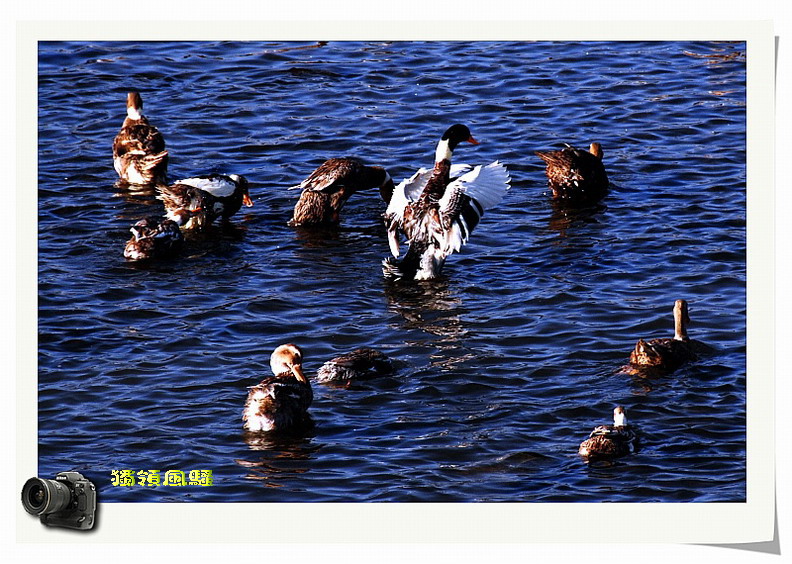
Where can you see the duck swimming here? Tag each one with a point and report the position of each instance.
(139, 154)
(668, 354)
(576, 177)
(280, 403)
(437, 209)
(610, 441)
(328, 188)
(212, 195)
(152, 238)
(359, 364)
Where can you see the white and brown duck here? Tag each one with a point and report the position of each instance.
(610, 441)
(281, 402)
(437, 209)
(362, 363)
(327, 189)
(667, 353)
(206, 197)
(154, 238)
(139, 154)
(575, 176)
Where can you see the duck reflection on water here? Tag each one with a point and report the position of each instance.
(433, 307)
(135, 194)
(563, 218)
(280, 457)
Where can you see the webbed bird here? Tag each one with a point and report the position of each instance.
(281, 402)
(576, 177)
(359, 364)
(139, 154)
(610, 441)
(212, 196)
(153, 238)
(327, 189)
(437, 209)
(667, 353)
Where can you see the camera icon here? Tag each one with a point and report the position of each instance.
(67, 501)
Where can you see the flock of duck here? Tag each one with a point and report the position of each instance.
(435, 211)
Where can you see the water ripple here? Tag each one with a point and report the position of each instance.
(504, 364)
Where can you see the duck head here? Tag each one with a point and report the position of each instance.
(596, 150)
(452, 137)
(288, 359)
(243, 185)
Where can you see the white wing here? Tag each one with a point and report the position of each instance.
(486, 186)
(219, 186)
(407, 192)
(410, 189)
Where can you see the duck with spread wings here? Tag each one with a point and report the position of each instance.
(437, 209)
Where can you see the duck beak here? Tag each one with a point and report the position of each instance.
(298, 373)
(246, 200)
(472, 141)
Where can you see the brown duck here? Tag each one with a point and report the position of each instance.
(667, 353)
(139, 154)
(610, 441)
(281, 402)
(328, 188)
(576, 177)
(205, 198)
(153, 238)
(359, 364)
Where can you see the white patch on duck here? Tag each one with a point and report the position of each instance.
(443, 152)
(254, 421)
(218, 187)
(133, 175)
(432, 262)
(133, 113)
(410, 189)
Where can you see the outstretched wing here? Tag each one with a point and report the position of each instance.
(465, 200)
(407, 192)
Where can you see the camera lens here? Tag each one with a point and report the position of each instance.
(40, 497)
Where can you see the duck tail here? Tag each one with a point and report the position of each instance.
(392, 269)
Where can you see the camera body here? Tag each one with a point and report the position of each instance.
(67, 501)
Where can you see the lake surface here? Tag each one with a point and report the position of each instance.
(506, 363)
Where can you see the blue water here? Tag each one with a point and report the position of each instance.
(505, 363)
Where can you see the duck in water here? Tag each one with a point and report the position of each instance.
(139, 154)
(281, 402)
(437, 209)
(576, 177)
(610, 441)
(328, 188)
